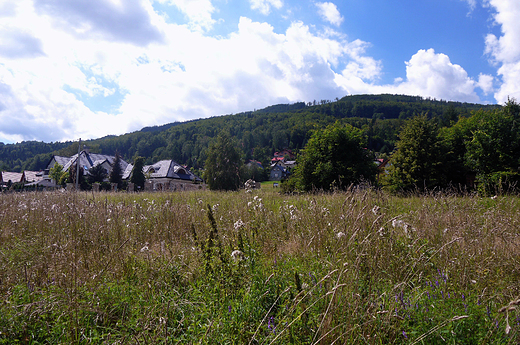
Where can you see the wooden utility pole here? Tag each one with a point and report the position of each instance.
(77, 165)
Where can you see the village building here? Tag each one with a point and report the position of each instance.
(87, 160)
(166, 175)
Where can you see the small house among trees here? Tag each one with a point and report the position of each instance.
(165, 175)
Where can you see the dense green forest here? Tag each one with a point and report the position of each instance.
(259, 133)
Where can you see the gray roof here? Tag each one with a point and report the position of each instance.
(11, 176)
(164, 169)
(87, 160)
(61, 160)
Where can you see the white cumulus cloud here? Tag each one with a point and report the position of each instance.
(505, 49)
(67, 71)
(329, 12)
(264, 6)
(199, 12)
(49, 95)
(428, 74)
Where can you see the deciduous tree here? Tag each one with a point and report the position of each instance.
(334, 157)
(55, 172)
(417, 163)
(222, 167)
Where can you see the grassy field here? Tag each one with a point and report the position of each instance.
(358, 267)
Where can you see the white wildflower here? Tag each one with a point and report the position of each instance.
(237, 255)
(238, 224)
(340, 235)
(375, 210)
(145, 248)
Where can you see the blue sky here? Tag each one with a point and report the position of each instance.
(89, 68)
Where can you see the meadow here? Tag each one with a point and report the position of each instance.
(258, 267)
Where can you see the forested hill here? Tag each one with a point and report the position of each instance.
(259, 133)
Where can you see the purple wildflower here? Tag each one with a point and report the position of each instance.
(270, 325)
(229, 309)
(404, 335)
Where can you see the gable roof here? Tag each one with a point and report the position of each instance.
(86, 160)
(11, 176)
(164, 169)
(32, 176)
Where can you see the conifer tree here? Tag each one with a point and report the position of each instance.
(116, 175)
(138, 177)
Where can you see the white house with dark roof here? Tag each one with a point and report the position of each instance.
(166, 175)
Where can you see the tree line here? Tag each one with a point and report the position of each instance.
(480, 152)
(258, 133)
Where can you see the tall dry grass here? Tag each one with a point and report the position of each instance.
(353, 267)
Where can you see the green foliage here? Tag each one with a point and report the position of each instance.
(253, 172)
(417, 163)
(315, 269)
(258, 132)
(391, 278)
(116, 175)
(487, 145)
(73, 175)
(222, 167)
(97, 174)
(137, 177)
(56, 172)
(334, 157)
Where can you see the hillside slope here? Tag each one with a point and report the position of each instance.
(259, 132)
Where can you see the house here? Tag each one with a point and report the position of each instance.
(86, 161)
(285, 153)
(11, 177)
(278, 172)
(32, 176)
(166, 175)
(254, 164)
(288, 164)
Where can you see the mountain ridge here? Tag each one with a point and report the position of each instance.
(259, 132)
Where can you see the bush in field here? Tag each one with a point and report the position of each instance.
(334, 158)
